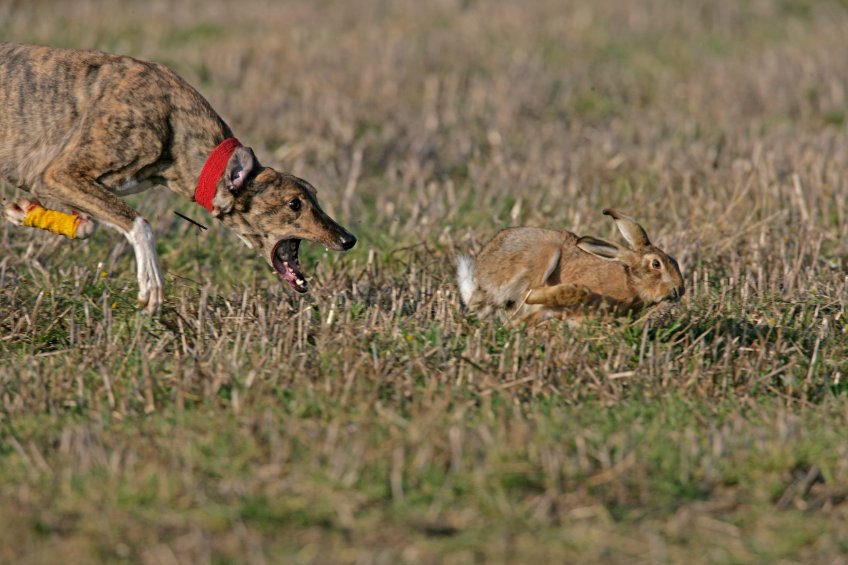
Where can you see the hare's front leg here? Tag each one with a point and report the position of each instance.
(532, 315)
(560, 295)
(548, 302)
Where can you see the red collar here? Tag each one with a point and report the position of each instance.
(207, 182)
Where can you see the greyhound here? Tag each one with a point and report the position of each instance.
(84, 128)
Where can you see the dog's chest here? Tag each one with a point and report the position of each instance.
(131, 186)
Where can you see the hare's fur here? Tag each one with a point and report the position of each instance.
(465, 269)
(543, 273)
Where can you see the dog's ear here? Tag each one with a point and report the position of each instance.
(239, 167)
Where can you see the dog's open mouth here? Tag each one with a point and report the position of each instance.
(286, 263)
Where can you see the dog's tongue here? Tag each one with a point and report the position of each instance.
(287, 264)
(294, 277)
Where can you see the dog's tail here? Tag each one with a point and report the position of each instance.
(466, 277)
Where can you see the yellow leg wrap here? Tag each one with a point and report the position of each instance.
(52, 221)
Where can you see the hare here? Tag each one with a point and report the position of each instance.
(546, 273)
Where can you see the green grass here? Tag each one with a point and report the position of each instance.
(365, 477)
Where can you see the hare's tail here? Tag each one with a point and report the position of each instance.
(466, 276)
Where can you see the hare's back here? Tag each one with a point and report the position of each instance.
(519, 258)
(523, 240)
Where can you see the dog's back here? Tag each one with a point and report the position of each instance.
(53, 100)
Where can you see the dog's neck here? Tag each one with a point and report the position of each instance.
(192, 145)
(213, 169)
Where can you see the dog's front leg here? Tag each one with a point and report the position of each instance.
(16, 212)
(151, 285)
(79, 192)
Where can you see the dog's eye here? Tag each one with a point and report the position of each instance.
(655, 263)
(294, 204)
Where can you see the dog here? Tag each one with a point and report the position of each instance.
(83, 128)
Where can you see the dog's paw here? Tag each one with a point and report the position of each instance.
(151, 299)
(151, 283)
(151, 289)
(15, 212)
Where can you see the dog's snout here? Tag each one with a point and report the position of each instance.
(347, 240)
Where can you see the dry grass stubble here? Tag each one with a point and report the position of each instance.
(373, 420)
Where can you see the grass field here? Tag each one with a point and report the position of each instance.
(374, 420)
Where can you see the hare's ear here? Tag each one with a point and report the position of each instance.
(633, 233)
(602, 249)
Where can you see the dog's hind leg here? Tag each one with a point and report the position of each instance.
(78, 191)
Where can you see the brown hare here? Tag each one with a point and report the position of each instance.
(545, 273)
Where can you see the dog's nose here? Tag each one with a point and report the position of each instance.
(348, 240)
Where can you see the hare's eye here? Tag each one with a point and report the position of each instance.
(294, 204)
(655, 264)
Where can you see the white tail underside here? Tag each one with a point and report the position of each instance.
(466, 277)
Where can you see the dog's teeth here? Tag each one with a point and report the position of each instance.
(300, 282)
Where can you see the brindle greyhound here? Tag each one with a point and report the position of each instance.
(83, 128)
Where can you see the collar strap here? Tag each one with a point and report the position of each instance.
(207, 183)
